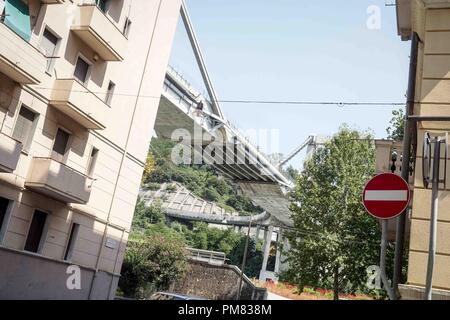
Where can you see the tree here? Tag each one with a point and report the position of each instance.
(149, 167)
(334, 240)
(397, 125)
(147, 215)
(152, 262)
(254, 257)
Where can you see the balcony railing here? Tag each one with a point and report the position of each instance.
(52, 1)
(211, 257)
(99, 32)
(58, 181)
(10, 150)
(76, 101)
(19, 60)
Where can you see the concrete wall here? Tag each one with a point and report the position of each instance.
(139, 79)
(431, 20)
(43, 278)
(216, 283)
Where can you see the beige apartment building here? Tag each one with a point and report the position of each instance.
(80, 83)
(430, 20)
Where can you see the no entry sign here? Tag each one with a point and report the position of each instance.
(386, 196)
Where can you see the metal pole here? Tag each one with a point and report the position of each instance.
(384, 279)
(244, 260)
(400, 235)
(199, 57)
(433, 219)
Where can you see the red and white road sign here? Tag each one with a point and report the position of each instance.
(386, 196)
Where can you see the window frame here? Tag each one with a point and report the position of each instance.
(51, 61)
(71, 241)
(110, 94)
(6, 220)
(68, 146)
(26, 145)
(89, 166)
(43, 238)
(127, 27)
(89, 70)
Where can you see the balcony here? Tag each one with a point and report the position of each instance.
(76, 101)
(9, 153)
(58, 181)
(19, 60)
(93, 27)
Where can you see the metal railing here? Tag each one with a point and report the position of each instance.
(212, 257)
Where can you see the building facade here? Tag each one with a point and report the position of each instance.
(80, 83)
(430, 20)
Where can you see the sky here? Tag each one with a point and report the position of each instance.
(302, 50)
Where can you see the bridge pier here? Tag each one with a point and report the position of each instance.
(268, 232)
(258, 227)
(278, 254)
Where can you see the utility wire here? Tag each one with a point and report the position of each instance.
(243, 101)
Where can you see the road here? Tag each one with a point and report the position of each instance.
(273, 296)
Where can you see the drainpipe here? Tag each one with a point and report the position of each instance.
(400, 235)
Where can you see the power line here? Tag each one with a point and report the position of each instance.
(332, 103)
(244, 101)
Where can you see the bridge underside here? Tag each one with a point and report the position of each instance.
(221, 146)
(270, 197)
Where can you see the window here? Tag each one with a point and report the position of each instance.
(49, 45)
(81, 72)
(36, 232)
(17, 17)
(110, 93)
(102, 5)
(127, 27)
(60, 145)
(92, 162)
(71, 243)
(5, 206)
(25, 127)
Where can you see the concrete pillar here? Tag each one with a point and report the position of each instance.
(257, 232)
(278, 255)
(286, 247)
(266, 249)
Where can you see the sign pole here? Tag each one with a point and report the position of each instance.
(384, 279)
(433, 220)
(385, 197)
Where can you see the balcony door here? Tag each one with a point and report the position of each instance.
(60, 145)
(36, 232)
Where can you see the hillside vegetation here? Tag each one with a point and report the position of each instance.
(202, 180)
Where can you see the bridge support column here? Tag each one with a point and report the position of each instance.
(258, 227)
(267, 241)
(278, 256)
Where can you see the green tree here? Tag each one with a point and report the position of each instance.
(146, 215)
(335, 240)
(397, 125)
(254, 257)
(152, 262)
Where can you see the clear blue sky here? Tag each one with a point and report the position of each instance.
(304, 50)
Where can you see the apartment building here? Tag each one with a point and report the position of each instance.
(80, 83)
(430, 21)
